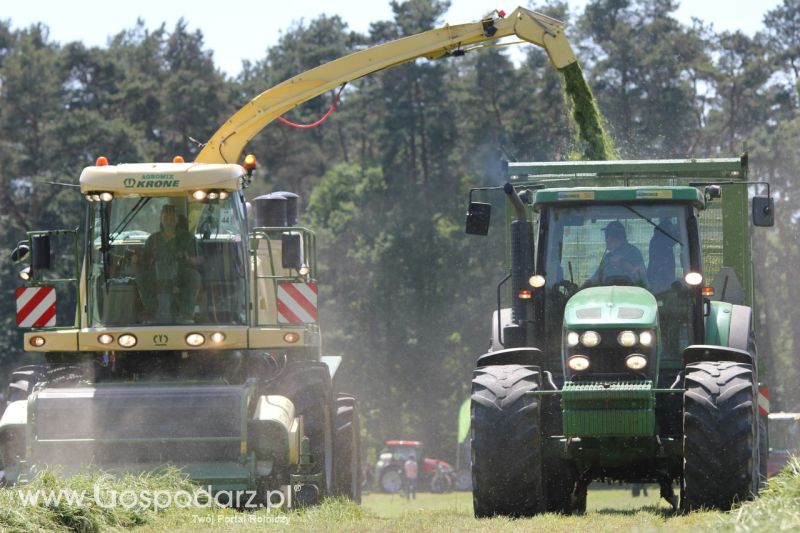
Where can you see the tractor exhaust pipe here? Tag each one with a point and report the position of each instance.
(514, 335)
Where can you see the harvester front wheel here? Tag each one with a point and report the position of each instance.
(720, 462)
(506, 442)
(347, 449)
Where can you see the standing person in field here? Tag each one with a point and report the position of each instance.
(410, 468)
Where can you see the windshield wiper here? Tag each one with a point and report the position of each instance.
(128, 217)
(638, 214)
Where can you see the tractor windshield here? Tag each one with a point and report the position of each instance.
(644, 245)
(167, 260)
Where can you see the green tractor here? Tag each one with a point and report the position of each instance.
(628, 351)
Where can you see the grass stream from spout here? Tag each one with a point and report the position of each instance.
(594, 141)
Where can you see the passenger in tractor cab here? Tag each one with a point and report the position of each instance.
(169, 281)
(622, 262)
(661, 257)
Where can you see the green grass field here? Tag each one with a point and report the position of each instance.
(608, 509)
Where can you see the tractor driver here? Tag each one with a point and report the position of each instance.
(622, 262)
(169, 280)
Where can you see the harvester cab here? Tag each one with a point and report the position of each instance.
(193, 340)
(629, 343)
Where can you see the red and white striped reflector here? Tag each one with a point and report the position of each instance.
(763, 401)
(36, 307)
(297, 303)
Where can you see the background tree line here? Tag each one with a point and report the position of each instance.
(406, 296)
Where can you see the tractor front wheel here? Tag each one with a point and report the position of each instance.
(720, 461)
(506, 442)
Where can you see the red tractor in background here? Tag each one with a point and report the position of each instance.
(435, 474)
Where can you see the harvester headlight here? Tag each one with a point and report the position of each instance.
(223, 195)
(291, 337)
(199, 195)
(127, 340)
(636, 361)
(88, 197)
(578, 363)
(195, 339)
(590, 339)
(213, 195)
(37, 341)
(627, 339)
(537, 281)
(573, 338)
(304, 270)
(645, 338)
(25, 274)
(106, 196)
(95, 197)
(105, 338)
(217, 337)
(694, 278)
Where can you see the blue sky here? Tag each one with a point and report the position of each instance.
(244, 29)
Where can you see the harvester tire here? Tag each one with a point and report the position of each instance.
(506, 442)
(347, 449)
(720, 462)
(22, 381)
(308, 385)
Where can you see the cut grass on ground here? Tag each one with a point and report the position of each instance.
(609, 509)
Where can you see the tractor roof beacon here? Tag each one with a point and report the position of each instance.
(190, 333)
(629, 344)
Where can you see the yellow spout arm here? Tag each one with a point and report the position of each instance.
(227, 144)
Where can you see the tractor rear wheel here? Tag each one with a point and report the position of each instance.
(506, 442)
(347, 449)
(720, 461)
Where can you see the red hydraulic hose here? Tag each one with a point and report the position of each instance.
(321, 120)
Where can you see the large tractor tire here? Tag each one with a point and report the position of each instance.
(720, 440)
(506, 442)
(391, 480)
(347, 449)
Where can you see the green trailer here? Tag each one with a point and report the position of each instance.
(628, 349)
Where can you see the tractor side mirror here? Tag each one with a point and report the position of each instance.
(40, 250)
(292, 250)
(763, 211)
(479, 216)
(713, 192)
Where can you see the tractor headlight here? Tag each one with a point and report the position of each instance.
(537, 281)
(573, 339)
(590, 339)
(645, 338)
(127, 340)
(627, 338)
(195, 339)
(693, 278)
(636, 361)
(578, 363)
